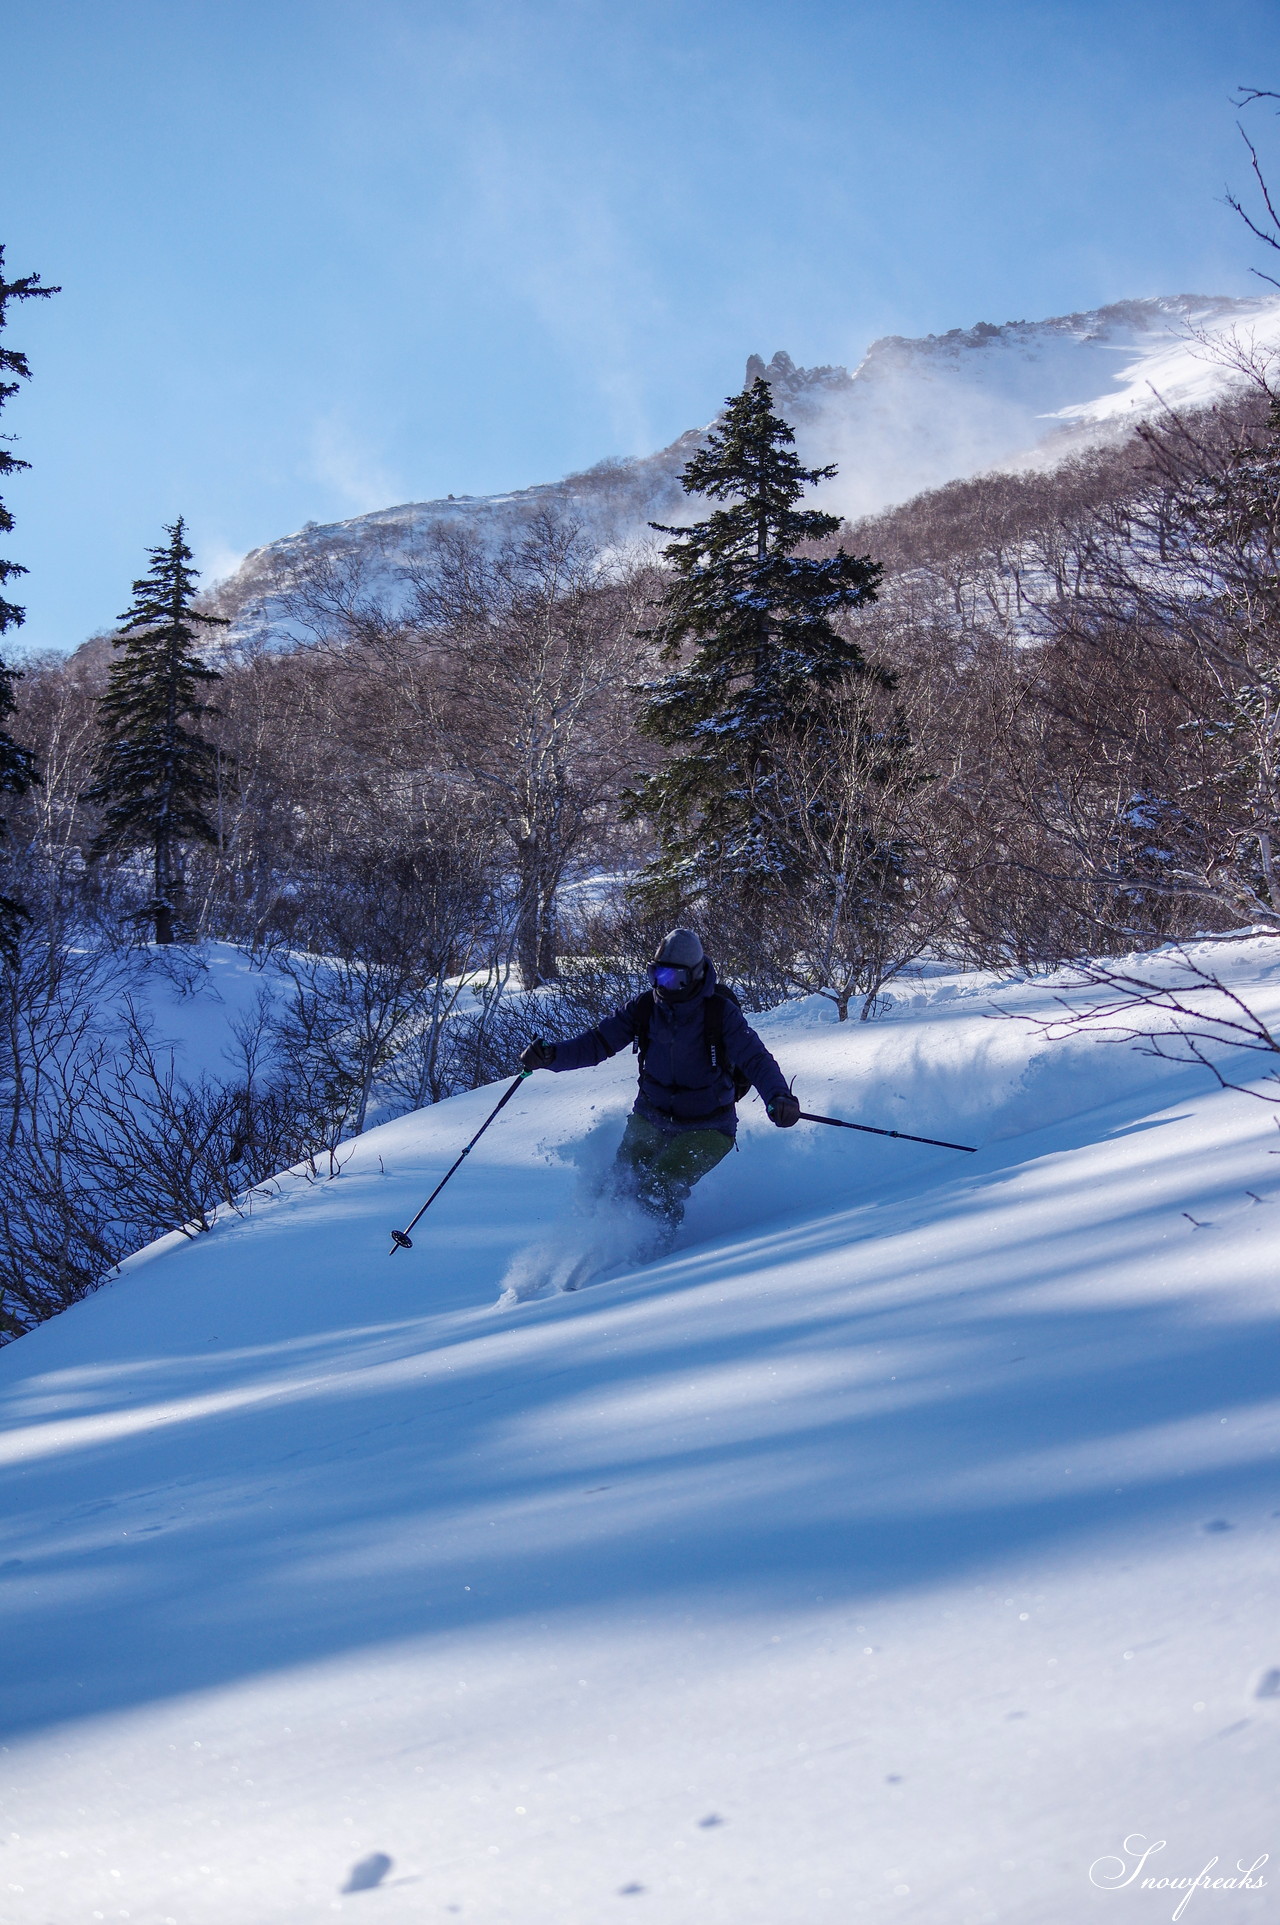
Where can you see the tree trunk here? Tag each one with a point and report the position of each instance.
(536, 932)
(548, 959)
(162, 906)
(528, 921)
(1268, 868)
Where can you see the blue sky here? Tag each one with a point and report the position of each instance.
(324, 257)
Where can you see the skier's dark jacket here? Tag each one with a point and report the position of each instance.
(679, 1087)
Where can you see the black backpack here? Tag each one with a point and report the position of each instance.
(712, 1033)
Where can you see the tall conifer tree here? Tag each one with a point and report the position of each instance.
(14, 367)
(17, 765)
(153, 775)
(765, 653)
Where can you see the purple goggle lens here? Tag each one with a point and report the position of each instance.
(670, 976)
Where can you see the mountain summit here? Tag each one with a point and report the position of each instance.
(912, 415)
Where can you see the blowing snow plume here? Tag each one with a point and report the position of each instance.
(914, 414)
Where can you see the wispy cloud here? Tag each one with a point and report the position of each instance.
(215, 558)
(342, 459)
(560, 235)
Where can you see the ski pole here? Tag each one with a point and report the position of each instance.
(838, 1123)
(400, 1239)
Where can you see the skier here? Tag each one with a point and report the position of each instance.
(698, 1056)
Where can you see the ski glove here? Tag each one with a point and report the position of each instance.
(539, 1055)
(784, 1109)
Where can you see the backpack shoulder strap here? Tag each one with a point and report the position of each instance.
(713, 1026)
(644, 1022)
(713, 1035)
(713, 1022)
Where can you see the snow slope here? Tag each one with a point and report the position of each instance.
(193, 1003)
(897, 1548)
(913, 415)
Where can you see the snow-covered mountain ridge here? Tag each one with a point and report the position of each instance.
(912, 415)
(898, 1547)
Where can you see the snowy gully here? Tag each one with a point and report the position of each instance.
(1114, 1874)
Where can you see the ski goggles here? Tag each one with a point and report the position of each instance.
(672, 976)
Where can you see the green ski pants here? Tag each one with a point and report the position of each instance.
(658, 1169)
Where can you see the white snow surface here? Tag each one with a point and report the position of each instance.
(192, 1003)
(898, 1546)
(912, 415)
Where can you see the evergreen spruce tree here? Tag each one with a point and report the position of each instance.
(17, 765)
(153, 775)
(765, 654)
(14, 368)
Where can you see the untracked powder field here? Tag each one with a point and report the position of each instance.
(902, 1544)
